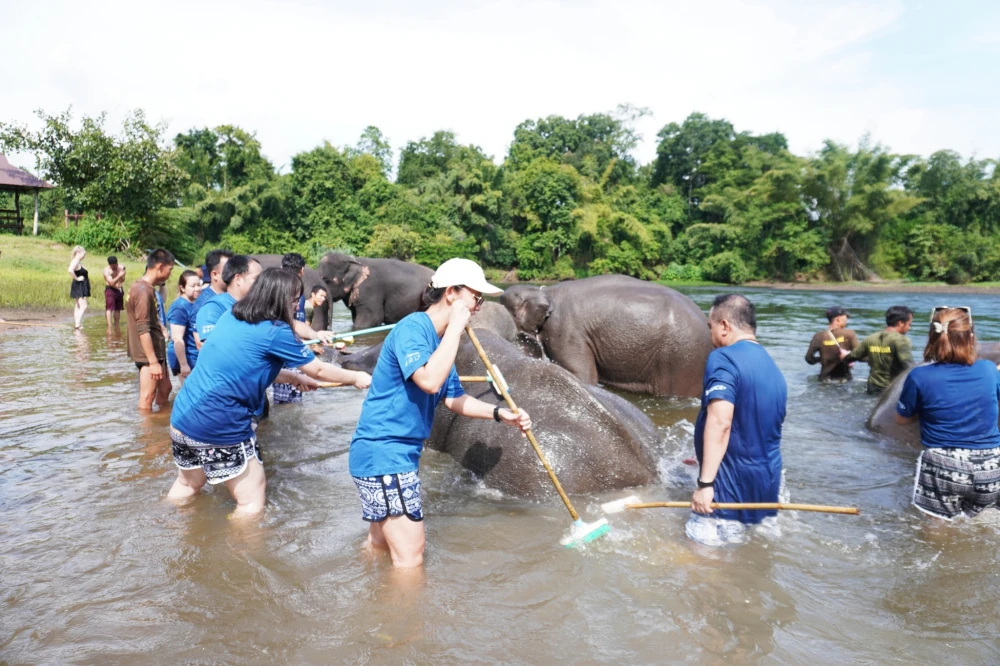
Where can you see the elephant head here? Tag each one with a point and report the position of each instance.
(530, 306)
(342, 274)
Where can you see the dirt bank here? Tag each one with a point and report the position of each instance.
(878, 287)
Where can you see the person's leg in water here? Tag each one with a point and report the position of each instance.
(403, 537)
(187, 484)
(107, 315)
(147, 388)
(164, 386)
(248, 490)
(78, 310)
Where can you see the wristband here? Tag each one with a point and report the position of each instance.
(706, 484)
(496, 414)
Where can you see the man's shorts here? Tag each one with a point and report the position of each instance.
(390, 495)
(114, 299)
(952, 481)
(220, 463)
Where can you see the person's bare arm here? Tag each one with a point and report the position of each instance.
(328, 372)
(109, 278)
(466, 405)
(718, 425)
(155, 369)
(73, 265)
(906, 420)
(432, 376)
(177, 335)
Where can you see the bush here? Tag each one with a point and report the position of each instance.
(682, 273)
(107, 234)
(726, 267)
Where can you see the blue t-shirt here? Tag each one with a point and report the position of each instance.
(397, 415)
(211, 312)
(745, 375)
(180, 314)
(161, 312)
(957, 404)
(226, 388)
(205, 296)
(300, 312)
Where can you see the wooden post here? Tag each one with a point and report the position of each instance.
(17, 212)
(34, 227)
(65, 218)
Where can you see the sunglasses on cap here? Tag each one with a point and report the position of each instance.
(964, 308)
(480, 299)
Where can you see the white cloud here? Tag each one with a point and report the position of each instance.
(302, 72)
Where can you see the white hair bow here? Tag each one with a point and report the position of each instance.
(941, 328)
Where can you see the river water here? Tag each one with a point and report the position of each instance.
(95, 567)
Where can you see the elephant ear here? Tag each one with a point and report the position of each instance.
(534, 309)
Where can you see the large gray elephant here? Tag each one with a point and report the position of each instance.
(376, 291)
(617, 330)
(594, 439)
(883, 417)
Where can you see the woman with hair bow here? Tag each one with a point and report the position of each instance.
(955, 397)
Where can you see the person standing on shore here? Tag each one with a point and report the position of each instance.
(888, 352)
(737, 437)
(79, 290)
(826, 345)
(145, 342)
(114, 294)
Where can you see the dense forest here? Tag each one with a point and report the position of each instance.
(567, 200)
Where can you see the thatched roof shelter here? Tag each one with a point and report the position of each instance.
(17, 181)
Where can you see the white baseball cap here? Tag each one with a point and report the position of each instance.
(455, 272)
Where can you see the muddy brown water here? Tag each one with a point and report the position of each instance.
(95, 567)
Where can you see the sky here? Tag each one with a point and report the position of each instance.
(917, 76)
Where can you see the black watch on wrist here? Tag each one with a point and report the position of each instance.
(706, 484)
(496, 414)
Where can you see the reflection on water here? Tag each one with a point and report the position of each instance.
(95, 565)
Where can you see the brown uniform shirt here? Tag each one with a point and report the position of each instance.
(141, 310)
(824, 350)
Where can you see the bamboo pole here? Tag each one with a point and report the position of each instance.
(528, 433)
(763, 506)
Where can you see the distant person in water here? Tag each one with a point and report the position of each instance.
(182, 353)
(284, 392)
(888, 352)
(79, 289)
(825, 347)
(215, 263)
(114, 293)
(317, 297)
(146, 344)
(213, 422)
(737, 436)
(955, 399)
(414, 373)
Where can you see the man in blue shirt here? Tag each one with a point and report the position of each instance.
(238, 275)
(215, 263)
(738, 433)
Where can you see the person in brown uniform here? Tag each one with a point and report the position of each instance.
(826, 345)
(146, 345)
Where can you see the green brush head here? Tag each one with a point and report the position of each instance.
(582, 533)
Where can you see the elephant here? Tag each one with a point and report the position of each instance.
(622, 332)
(376, 291)
(310, 279)
(883, 417)
(593, 439)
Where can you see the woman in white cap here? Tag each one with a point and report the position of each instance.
(415, 371)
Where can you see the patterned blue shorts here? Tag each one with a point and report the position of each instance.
(390, 495)
(220, 463)
(285, 393)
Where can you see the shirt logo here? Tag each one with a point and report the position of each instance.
(412, 357)
(900, 406)
(717, 387)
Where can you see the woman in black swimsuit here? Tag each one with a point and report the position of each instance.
(80, 288)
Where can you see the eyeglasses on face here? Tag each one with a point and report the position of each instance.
(964, 308)
(480, 299)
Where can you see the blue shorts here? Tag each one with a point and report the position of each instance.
(286, 393)
(390, 495)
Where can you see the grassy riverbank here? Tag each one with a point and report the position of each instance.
(33, 273)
